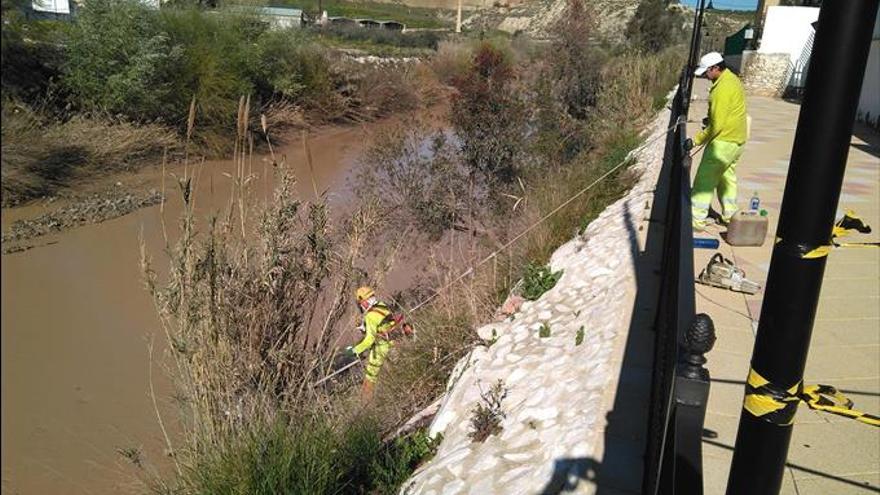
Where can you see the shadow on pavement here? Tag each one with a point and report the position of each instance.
(626, 431)
(869, 136)
(569, 472)
(863, 485)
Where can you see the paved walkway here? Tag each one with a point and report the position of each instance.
(828, 454)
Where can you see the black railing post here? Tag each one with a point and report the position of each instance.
(691, 398)
(694, 53)
(812, 191)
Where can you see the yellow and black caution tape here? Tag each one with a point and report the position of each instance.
(778, 406)
(768, 402)
(828, 399)
(806, 251)
(849, 223)
(844, 227)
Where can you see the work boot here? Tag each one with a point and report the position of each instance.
(702, 225)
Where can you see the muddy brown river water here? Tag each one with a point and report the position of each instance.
(77, 322)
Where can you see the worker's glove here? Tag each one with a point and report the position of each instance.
(688, 144)
(705, 122)
(349, 351)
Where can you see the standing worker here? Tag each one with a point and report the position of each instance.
(724, 135)
(379, 324)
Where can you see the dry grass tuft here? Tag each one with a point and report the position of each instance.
(42, 156)
(252, 325)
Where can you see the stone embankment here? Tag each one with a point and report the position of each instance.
(558, 359)
(766, 74)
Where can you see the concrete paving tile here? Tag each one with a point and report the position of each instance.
(862, 483)
(841, 287)
(836, 449)
(737, 343)
(827, 365)
(843, 332)
(849, 307)
(715, 471)
(724, 318)
(723, 366)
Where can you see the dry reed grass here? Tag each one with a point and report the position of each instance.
(253, 314)
(42, 156)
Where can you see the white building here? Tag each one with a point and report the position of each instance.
(790, 31)
(56, 7)
(869, 101)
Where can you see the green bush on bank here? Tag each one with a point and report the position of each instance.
(308, 456)
(126, 59)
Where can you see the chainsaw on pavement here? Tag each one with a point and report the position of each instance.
(723, 273)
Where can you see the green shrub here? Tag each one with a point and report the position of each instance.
(577, 61)
(119, 60)
(287, 64)
(145, 65)
(654, 26)
(358, 34)
(489, 116)
(538, 280)
(32, 57)
(397, 461)
(311, 455)
(415, 173)
(544, 331)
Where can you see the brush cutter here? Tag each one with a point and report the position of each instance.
(723, 273)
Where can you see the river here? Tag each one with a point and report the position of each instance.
(77, 323)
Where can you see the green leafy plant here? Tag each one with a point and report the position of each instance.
(400, 458)
(544, 331)
(579, 337)
(538, 280)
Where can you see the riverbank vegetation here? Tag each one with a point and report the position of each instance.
(257, 302)
(255, 321)
(134, 71)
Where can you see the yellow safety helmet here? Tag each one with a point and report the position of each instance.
(364, 293)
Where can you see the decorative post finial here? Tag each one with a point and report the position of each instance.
(698, 340)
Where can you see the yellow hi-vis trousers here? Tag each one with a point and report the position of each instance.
(717, 172)
(377, 356)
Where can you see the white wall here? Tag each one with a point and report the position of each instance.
(869, 101)
(786, 30)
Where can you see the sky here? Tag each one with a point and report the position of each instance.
(727, 4)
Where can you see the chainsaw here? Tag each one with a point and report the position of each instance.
(721, 272)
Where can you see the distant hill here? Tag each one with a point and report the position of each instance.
(536, 17)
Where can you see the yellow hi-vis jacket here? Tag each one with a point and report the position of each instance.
(727, 111)
(375, 324)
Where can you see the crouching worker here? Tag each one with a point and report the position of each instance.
(381, 327)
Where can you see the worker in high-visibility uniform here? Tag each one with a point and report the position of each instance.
(377, 325)
(724, 135)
